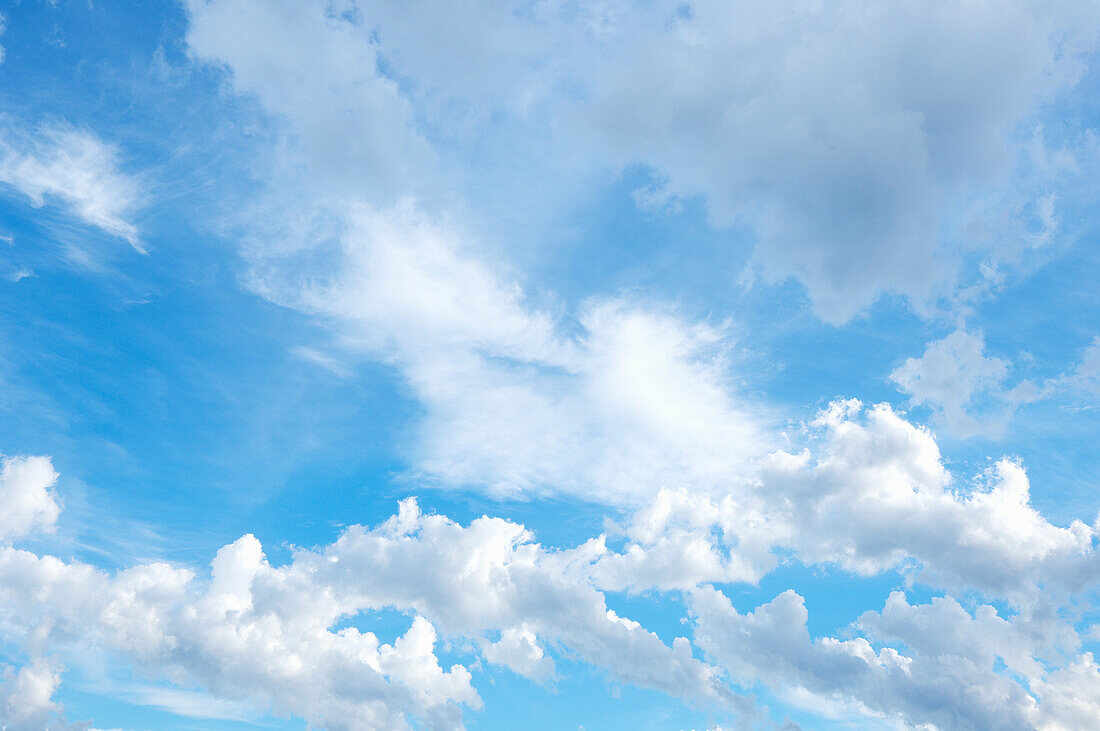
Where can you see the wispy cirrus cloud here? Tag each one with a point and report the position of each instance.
(62, 165)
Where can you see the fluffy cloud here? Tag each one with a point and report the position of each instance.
(683, 539)
(868, 494)
(27, 501)
(277, 657)
(844, 135)
(840, 132)
(947, 677)
(73, 167)
(26, 698)
(962, 385)
(613, 403)
(877, 496)
(265, 634)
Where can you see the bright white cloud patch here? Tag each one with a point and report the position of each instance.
(876, 495)
(622, 399)
(930, 684)
(264, 634)
(874, 498)
(26, 697)
(61, 164)
(27, 501)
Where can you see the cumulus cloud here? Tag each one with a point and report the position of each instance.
(876, 495)
(27, 500)
(947, 676)
(73, 167)
(266, 634)
(683, 539)
(869, 494)
(964, 387)
(26, 698)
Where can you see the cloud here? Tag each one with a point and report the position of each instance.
(683, 539)
(26, 698)
(266, 634)
(868, 494)
(27, 501)
(315, 66)
(62, 164)
(853, 139)
(966, 389)
(841, 133)
(610, 403)
(946, 678)
(962, 385)
(877, 496)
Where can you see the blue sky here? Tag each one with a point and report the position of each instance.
(549, 365)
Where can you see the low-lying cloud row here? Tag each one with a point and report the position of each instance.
(868, 495)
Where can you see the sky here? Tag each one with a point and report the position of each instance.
(549, 364)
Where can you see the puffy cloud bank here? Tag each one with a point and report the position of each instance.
(869, 494)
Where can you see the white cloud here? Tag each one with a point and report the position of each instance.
(967, 390)
(612, 405)
(27, 500)
(845, 136)
(876, 496)
(186, 703)
(488, 578)
(839, 132)
(279, 656)
(265, 634)
(314, 65)
(952, 376)
(869, 494)
(73, 167)
(683, 539)
(947, 676)
(26, 698)
(519, 650)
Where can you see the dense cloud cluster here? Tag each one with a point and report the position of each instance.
(851, 137)
(871, 496)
